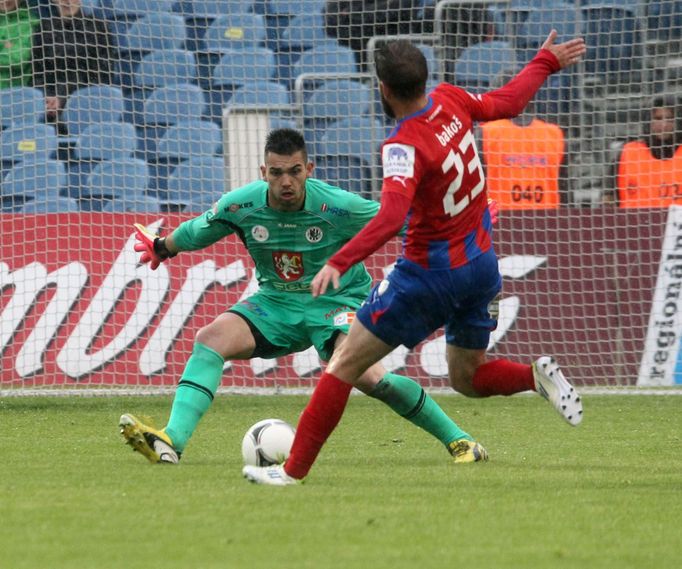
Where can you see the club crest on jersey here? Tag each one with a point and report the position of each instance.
(260, 233)
(398, 160)
(288, 264)
(314, 234)
(344, 318)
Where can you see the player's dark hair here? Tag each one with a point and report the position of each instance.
(285, 142)
(402, 66)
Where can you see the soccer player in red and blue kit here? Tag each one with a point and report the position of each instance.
(448, 272)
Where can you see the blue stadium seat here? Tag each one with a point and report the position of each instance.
(303, 33)
(58, 204)
(106, 141)
(562, 17)
(141, 7)
(615, 44)
(94, 104)
(34, 142)
(133, 203)
(294, 8)
(25, 181)
(155, 31)
(216, 8)
(335, 100)
(332, 101)
(166, 67)
(348, 153)
(189, 139)
(234, 31)
(280, 14)
(664, 19)
(114, 179)
(478, 64)
(237, 67)
(261, 93)
(173, 103)
(195, 185)
(21, 105)
(326, 58)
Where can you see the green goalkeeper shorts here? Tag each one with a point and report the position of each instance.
(294, 322)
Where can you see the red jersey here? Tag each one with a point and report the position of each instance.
(433, 175)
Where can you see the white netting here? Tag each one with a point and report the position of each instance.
(138, 110)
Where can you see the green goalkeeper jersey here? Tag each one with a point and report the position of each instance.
(288, 248)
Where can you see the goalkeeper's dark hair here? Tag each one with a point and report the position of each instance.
(285, 142)
(401, 65)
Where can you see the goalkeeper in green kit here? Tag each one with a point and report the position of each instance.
(291, 224)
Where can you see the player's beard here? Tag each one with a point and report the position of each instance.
(387, 107)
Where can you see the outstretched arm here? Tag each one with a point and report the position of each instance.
(510, 100)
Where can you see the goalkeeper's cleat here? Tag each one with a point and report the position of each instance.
(269, 475)
(156, 446)
(464, 450)
(553, 386)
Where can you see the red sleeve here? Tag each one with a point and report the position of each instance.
(510, 100)
(387, 223)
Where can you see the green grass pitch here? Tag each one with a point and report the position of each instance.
(382, 495)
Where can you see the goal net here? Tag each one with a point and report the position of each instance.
(124, 111)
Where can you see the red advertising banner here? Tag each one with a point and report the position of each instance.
(76, 308)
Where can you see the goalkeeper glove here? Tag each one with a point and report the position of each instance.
(152, 247)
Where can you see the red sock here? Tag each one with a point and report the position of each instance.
(502, 377)
(318, 420)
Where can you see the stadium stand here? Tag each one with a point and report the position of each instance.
(27, 142)
(21, 105)
(347, 155)
(140, 8)
(32, 180)
(187, 139)
(195, 185)
(234, 31)
(478, 64)
(91, 105)
(154, 31)
(118, 179)
(165, 67)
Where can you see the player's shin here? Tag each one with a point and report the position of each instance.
(502, 377)
(318, 420)
(407, 398)
(195, 392)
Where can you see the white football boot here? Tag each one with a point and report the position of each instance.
(270, 475)
(553, 386)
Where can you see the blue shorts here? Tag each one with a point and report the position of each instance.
(413, 302)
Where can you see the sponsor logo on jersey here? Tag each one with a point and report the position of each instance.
(314, 234)
(288, 265)
(260, 233)
(287, 225)
(398, 160)
(334, 210)
(336, 310)
(449, 130)
(237, 206)
(211, 213)
(344, 319)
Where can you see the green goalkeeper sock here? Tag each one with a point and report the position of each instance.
(407, 398)
(194, 394)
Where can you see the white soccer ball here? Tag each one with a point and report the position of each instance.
(267, 442)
